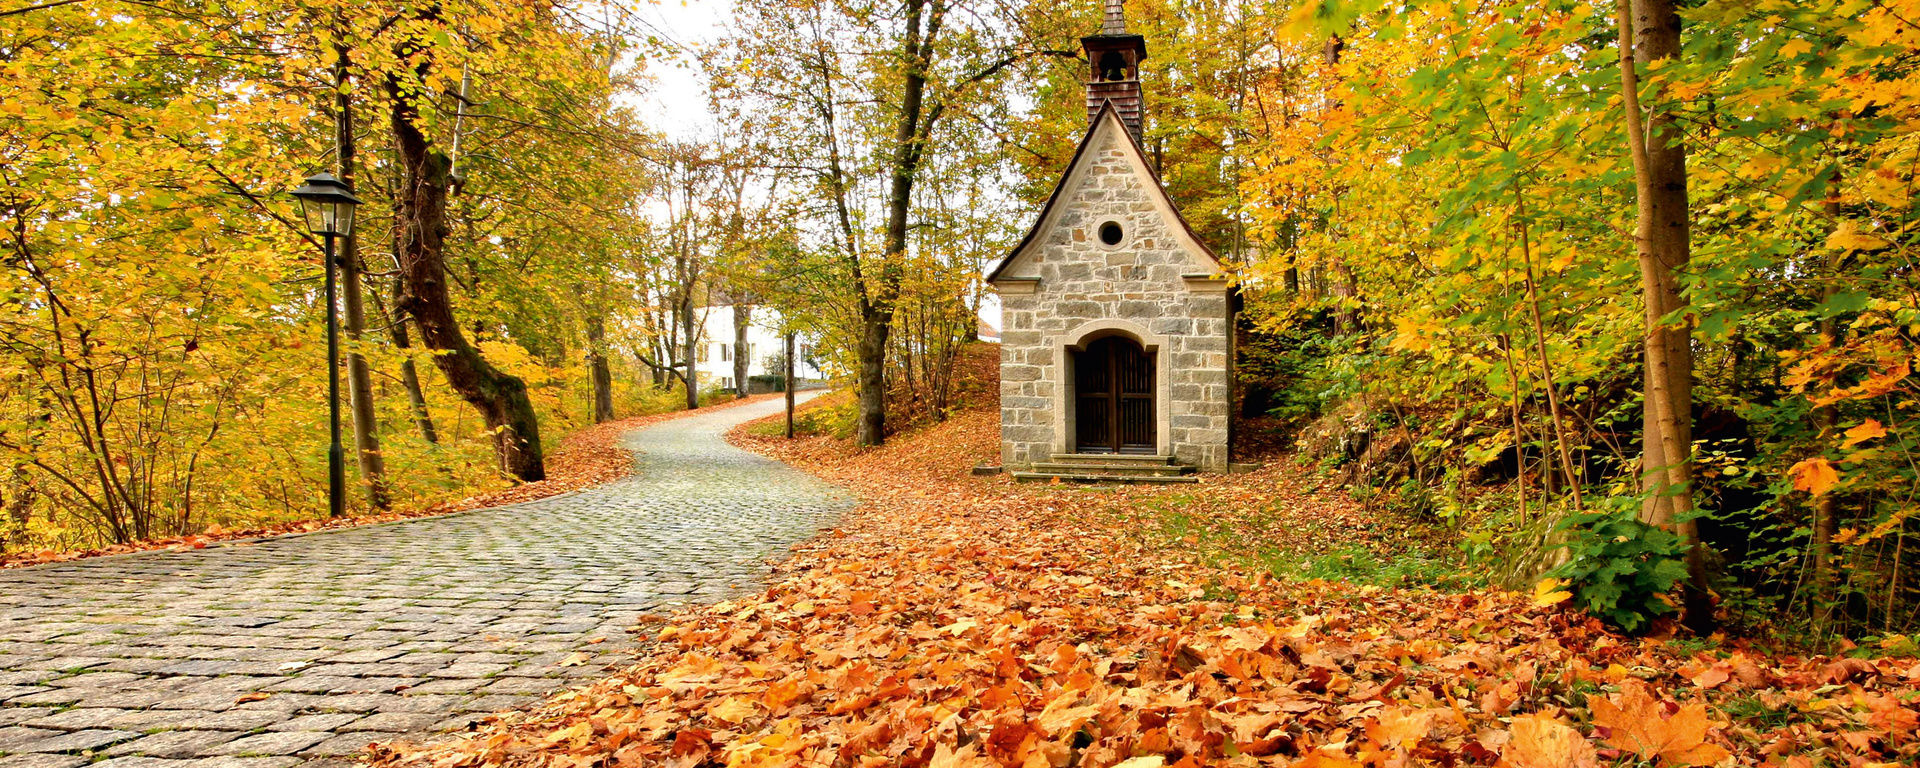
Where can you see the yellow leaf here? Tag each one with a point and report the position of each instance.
(578, 733)
(1549, 592)
(1868, 430)
(1539, 741)
(1848, 237)
(1814, 476)
(733, 710)
(1061, 716)
(1637, 721)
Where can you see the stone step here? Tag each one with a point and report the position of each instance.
(1097, 468)
(1113, 459)
(1047, 477)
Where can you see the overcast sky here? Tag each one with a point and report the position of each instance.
(677, 103)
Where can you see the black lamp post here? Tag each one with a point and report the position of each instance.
(328, 204)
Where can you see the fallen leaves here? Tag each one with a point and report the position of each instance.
(966, 621)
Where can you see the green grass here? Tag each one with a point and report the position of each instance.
(1414, 567)
(1752, 712)
(1409, 565)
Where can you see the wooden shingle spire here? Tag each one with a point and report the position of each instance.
(1114, 58)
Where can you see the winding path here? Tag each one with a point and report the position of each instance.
(305, 648)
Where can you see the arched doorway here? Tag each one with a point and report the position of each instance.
(1113, 397)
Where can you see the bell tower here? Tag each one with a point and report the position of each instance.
(1113, 58)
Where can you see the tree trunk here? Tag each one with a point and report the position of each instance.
(599, 370)
(788, 385)
(742, 317)
(420, 212)
(877, 305)
(692, 379)
(871, 427)
(366, 427)
(409, 373)
(1650, 31)
(1826, 507)
(1547, 382)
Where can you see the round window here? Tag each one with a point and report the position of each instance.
(1110, 233)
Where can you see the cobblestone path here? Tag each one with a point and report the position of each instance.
(304, 649)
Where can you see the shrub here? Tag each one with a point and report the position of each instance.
(1621, 569)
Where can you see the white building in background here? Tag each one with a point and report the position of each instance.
(713, 360)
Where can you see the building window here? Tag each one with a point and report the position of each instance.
(703, 353)
(1111, 233)
(726, 353)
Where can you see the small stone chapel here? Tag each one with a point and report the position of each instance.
(1117, 322)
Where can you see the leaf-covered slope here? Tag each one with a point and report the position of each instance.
(968, 621)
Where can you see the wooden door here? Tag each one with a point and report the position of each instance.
(1113, 398)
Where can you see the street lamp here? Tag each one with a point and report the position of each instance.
(328, 204)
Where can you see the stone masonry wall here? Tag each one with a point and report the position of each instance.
(1081, 279)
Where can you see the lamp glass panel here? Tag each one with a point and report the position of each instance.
(316, 212)
(342, 218)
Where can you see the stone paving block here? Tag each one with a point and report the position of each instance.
(229, 720)
(420, 703)
(67, 663)
(367, 656)
(448, 686)
(11, 692)
(314, 761)
(137, 664)
(346, 744)
(147, 720)
(284, 702)
(16, 715)
(101, 680)
(494, 703)
(314, 684)
(459, 722)
(381, 684)
(42, 760)
(174, 744)
(42, 696)
(77, 741)
(540, 685)
(216, 667)
(270, 744)
(396, 722)
(359, 702)
(244, 762)
(77, 719)
(233, 684)
(468, 670)
(141, 761)
(329, 721)
(209, 701)
(133, 699)
(14, 736)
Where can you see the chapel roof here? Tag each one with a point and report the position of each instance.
(1080, 152)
